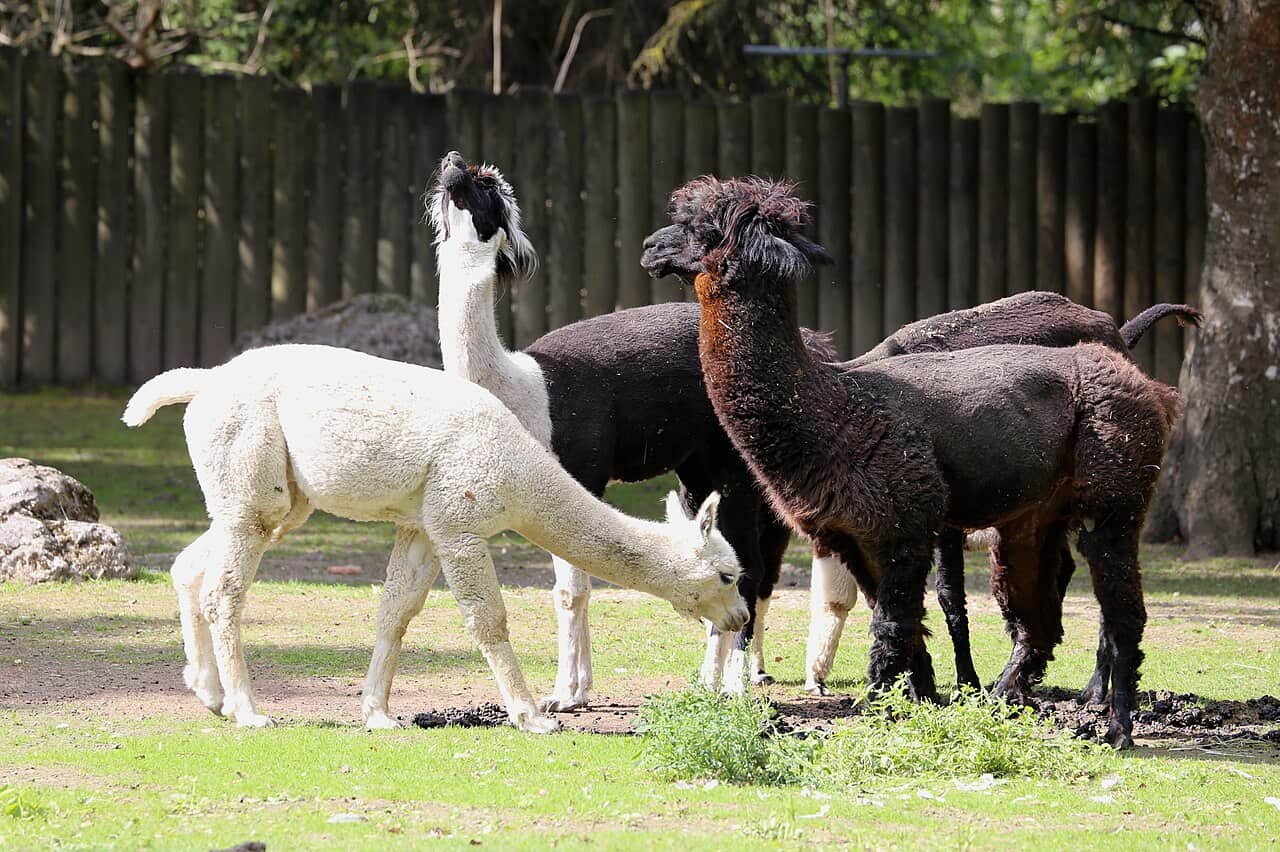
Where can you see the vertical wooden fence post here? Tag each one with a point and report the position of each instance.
(221, 219)
(1170, 236)
(532, 110)
(10, 214)
(186, 184)
(801, 166)
(1023, 122)
(394, 215)
(497, 135)
(1108, 246)
(291, 175)
(733, 139)
(1051, 171)
(324, 210)
(933, 164)
(114, 243)
(835, 287)
(78, 232)
(427, 121)
(962, 224)
(253, 293)
(360, 193)
(633, 197)
(564, 299)
(600, 253)
(42, 107)
(868, 225)
(666, 171)
(768, 135)
(993, 202)
(900, 218)
(1082, 147)
(150, 209)
(1139, 209)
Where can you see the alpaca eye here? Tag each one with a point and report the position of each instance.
(726, 579)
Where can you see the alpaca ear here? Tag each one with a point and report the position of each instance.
(816, 254)
(708, 515)
(675, 509)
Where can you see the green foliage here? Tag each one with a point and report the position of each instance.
(975, 734)
(700, 734)
(17, 804)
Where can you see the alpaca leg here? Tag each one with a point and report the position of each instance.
(410, 573)
(201, 672)
(469, 570)
(759, 677)
(951, 599)
(1111, 550)
(897, 622)
(234, 551)
(571, 595)
(832, 593)
(714, 662)
(1025, 585)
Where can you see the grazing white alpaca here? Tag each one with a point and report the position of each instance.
(281, 431)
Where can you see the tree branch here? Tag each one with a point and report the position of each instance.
(1153, 31)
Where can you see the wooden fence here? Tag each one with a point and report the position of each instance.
(146, 219)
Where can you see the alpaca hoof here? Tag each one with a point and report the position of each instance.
(535, 723)
(1118, 738)
(379, 721)
(557, 704)
(253, 720)
(762, 679)
(817, 688)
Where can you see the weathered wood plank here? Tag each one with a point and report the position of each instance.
(801, 166)
(633, 197)
(993, 202)
(1139, 285)
(733, 139)
(868, 225)
(768, 135)
(1051, 175)
(1023, 123)
(78, 226)
(428, 122)
(113, 245)
(360, 190)
(835, 290)
(324, 208)
(564, 301)
(498, 148)
(900, 218)
(11, 202)
(221, 245)
(186, 185)
(150, 209)
(666, 172)
(532, 110)
(1170, 236)
(600, 255)
(962, 223)
(1081, 209)
(933, 165)
(291, 176)
(43, 84)
(253, 290)
(394, 212)
(1108, 245)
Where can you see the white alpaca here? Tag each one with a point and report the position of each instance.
(280, 431)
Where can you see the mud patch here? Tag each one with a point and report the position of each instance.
(1167, 718)
(483, 716)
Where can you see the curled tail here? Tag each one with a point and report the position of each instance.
(1133, 330)
(169, 388)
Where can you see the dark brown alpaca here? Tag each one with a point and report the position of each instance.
(872, 461)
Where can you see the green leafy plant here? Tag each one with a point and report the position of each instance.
(701, 734)
(14, 803)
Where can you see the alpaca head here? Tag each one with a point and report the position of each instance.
(707, 581)
(746, 223)
(474, 205)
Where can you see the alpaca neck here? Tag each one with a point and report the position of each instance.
(469, 342)
(759, 374)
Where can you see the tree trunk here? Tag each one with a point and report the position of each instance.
(1222, 471)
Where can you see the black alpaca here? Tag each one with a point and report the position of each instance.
(871, 462)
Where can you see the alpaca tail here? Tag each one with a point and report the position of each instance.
(1133, 330)
(169, 388)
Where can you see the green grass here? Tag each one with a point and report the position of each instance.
(125, 763)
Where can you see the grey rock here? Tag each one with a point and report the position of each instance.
(382, 324)
(37, 551)
(43, 492)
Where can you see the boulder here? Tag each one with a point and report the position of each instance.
(49, 529)
(382, 324)
(43, 492)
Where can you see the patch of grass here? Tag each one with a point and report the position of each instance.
(700, 734)
(16, 803)
(973, 735)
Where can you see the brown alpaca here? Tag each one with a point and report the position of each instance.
(872, 461)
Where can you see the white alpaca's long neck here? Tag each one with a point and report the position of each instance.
(469, 342)
(561, 516)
